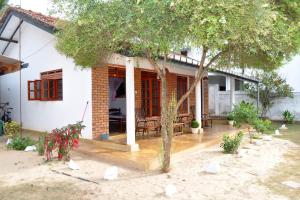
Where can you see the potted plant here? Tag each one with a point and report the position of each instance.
(195, 127)
(230, 119)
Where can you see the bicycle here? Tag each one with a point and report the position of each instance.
(5, 112)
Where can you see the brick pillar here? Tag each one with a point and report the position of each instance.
(138, 88)
(192, 97)
(100, 101)
(171, 85)
(205, 95)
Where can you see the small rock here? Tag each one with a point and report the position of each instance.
(72, 165)
(170, 190)
(277, 133)
(258, 143)
(267, 138)
(8, 141)
(283, 127)
(30, 148)
(292, 184)
(111, 173)
(212, 167)
(241, 153)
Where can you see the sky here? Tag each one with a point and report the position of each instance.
(41, 6)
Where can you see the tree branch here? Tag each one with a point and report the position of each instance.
(154, 64)
(198, 77)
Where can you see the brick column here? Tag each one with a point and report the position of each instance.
(171, 85)
(138, 88)
(192, 97)
(100, 101)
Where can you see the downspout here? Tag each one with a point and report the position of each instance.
(257, 100)
(20, 73)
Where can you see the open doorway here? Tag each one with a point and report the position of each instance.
(117, 100)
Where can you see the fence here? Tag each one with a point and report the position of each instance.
(219, 103)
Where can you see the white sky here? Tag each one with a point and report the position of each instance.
(41, 6)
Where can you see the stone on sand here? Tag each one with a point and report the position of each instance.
(291, 184)
(72, 165)
(30, 148)
(170, 190)
(111, 173)
(212, 167)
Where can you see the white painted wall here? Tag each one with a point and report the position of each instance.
(38, 49)
(220, 103)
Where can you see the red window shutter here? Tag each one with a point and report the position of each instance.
(44, 90)
(37, 89)
(31, 90)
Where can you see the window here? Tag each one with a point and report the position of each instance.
(181, 90)
(49, 88)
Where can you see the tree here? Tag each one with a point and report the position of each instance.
(272, 87)
(236, 33)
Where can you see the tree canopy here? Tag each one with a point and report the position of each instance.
(272, 87)
(254, 33)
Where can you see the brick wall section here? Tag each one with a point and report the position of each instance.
(192, 97)
(100, 100)
(138, 88)
(205, 95)
(171, 85)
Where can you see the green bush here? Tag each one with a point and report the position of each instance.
(244, 113)
(261, 126)
(20, 143)
(195, 124)
(231, 144)
(12, 129)
(41, 146)
(288, 117)
(230, 116)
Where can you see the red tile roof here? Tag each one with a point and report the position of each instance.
(47, 20)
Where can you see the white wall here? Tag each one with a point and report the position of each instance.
(38, 49)
(219, 103)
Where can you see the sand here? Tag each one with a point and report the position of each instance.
(25, 175)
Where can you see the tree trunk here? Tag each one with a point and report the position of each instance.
(169, 107)
(167, 118)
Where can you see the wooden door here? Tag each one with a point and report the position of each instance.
(150, 94)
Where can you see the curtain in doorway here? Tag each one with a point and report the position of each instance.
(114, 84)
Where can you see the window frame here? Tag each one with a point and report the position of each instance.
(52, 78)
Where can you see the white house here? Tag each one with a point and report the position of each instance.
(52, 91)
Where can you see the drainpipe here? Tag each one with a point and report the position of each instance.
(257, 100)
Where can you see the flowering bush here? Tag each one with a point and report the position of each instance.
(12, 129)
(64, 140)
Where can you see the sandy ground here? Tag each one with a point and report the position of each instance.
(25, 175)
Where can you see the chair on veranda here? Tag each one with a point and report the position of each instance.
(140, 123)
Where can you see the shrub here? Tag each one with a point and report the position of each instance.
(195, 124)
(64, 139)
(244, 113)
(20, 143)
(288, 117)
(262, 126)
(230, 116)
(231, 144)
(41, 146)
(12, 129)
